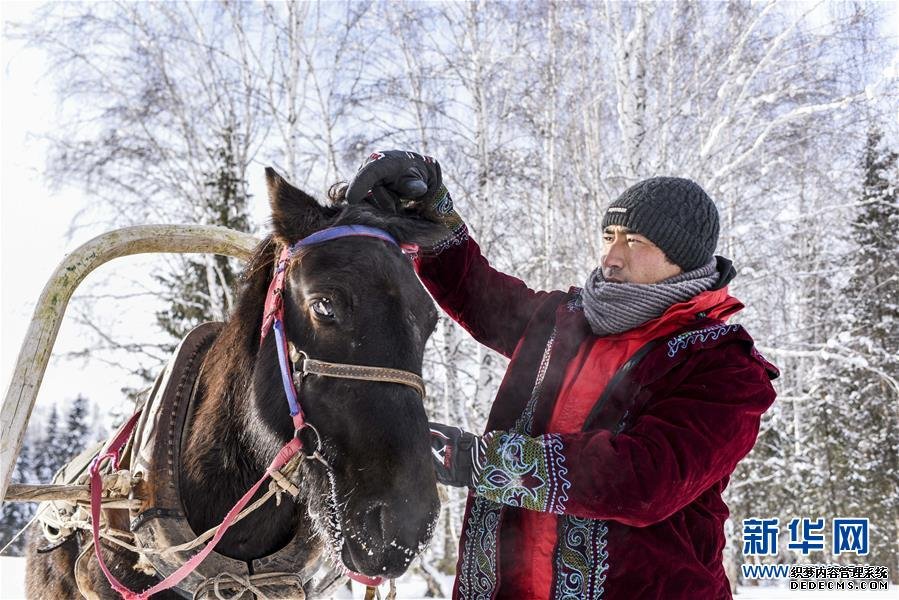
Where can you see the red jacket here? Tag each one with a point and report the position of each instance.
(606, 481)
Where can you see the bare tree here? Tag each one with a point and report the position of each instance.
(540, 114)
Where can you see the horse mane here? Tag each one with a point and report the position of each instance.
(236, 347)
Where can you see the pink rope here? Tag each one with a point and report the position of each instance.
(112, 450)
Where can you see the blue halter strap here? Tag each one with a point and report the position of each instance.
(333, 233)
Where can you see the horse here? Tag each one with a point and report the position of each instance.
(368, 503)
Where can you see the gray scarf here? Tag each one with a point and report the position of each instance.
(617, 307)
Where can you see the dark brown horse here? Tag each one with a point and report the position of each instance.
(351, 300)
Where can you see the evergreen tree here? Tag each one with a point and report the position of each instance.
(202, 289)
(75, 435)
(828, 448)
(39, 460)
(15, 515)
(866, 380)
(50, 455)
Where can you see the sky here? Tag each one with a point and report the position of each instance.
(33, 221)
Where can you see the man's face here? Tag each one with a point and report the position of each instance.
(629, 257)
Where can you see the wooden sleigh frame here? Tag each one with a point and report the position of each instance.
(37, 346)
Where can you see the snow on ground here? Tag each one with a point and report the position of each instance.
(12, 578)
(12, 574)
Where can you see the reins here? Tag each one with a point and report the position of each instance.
(294, 365)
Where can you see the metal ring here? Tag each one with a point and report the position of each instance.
(318, 437)
(296, 355)
(317, 454)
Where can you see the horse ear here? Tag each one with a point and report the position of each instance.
(295, 214)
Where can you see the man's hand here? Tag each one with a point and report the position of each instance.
(458, 455)
(394, 178)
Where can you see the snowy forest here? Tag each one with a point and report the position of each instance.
(540, 114)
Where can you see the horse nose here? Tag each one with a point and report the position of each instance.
(384, 535)
(395, 527)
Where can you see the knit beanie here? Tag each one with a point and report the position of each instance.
(675, 214)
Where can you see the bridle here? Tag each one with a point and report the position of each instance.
(295, 365)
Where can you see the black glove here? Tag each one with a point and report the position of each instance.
(458, 455)
(391, 176)
(396, 180)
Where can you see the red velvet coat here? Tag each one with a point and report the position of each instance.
(630, 501)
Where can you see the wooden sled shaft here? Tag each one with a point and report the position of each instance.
(50, 309)
(29, 492)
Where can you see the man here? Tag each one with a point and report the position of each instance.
(625, 407)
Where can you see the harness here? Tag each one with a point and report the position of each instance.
(158, 434)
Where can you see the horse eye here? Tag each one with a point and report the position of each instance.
(322, 308)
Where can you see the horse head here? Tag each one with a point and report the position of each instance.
(355, 300)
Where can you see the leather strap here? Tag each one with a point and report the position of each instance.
(340, 370)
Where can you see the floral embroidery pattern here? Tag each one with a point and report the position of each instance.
(526, 420)
(477, 571)
(456, 238)
(525, 472)
(477, 574)
(680, 342)
(581, 562)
